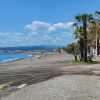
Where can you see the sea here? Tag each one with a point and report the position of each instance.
(8, 57)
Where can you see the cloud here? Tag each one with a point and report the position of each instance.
(12, 39)
(43, 27)
(38, 27)
(39, 33)
(37, 24)
(62, 26)
(49, 33)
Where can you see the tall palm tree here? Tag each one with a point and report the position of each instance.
(84, 19)
(79, 34)
(97, 22)
(95, 29)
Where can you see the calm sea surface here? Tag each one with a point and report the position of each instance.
(8, 57)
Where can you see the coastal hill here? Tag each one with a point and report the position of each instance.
(28, 48)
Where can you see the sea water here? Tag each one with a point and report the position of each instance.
(8, 57)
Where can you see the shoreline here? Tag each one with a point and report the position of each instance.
(15, 58)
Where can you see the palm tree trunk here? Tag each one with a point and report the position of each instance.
(85, 40)
(97, 46)
(85, 49)
(82, 53)
(81, 48)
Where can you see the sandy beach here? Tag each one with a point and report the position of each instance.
(32, 71)
(18, 71)
(67, 87)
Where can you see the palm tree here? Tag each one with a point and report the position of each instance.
(97, 22)
(79, 34)
(95, 29)
(73, 49)
(97, 14)
(84, 19)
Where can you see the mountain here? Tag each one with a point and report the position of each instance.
(41, 47)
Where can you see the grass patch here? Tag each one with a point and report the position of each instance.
(88, 62)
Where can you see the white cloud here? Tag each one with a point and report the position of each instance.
(49, 33)
(37, 27)
(39, 33)
(36, 24)
(62, 26)
(11, 39)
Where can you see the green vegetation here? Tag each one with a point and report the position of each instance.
(87, 32)
(88, 62)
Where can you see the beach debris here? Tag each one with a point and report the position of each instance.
(6, 85)
(21, 86)
(38, 56)
(3, 86)
(50, 53)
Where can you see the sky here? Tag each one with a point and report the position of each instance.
(41, 22)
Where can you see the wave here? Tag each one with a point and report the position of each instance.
(30, 55)
(23, 56)
(9, 60)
